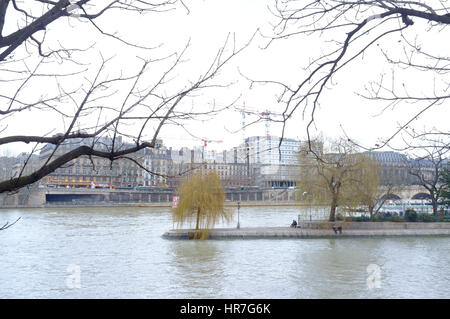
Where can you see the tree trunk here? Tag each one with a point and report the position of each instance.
(435, 207)
(333, 210)
(371, 207)
(198, 218)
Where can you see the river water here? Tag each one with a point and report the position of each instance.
(119, 253)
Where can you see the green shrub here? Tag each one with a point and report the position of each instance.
(378, 218)
(425, 217)
(339, 216)
(362, 218)
(410, 215)
(397, 219)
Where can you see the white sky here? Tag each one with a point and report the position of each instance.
(207, 26)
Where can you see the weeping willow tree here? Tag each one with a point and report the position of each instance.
(369, 184)
(201, 202)
(335, 178)
(372, 195)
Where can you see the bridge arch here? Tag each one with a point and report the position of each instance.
(421, 196)
(391, 197)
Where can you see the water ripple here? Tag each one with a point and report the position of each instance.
(121, 254)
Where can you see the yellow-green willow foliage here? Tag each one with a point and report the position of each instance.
(339, 177)
(201, 203)
(369, 185)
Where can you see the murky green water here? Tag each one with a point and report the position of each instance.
(119, 253)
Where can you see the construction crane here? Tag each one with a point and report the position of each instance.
(205, 144)
(206, 141)
(243, 123)
(262, 114)
(267, 115)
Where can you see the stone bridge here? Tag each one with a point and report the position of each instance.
(37, 197)
(409, 192)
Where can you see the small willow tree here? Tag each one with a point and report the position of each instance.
(201, 202)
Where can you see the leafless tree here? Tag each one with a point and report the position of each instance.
(351, 29)
(381, 196)
(86, 101)
(427, 171)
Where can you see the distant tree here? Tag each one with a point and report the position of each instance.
(427, 171)
(445, 189)
(201, 202)
(373, 194)
(336, 178)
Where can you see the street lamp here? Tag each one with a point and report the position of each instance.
(238, 224)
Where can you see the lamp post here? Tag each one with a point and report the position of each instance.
(238, 224)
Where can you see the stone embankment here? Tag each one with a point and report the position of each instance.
(322, 230)
(95, 197)
(159, 204)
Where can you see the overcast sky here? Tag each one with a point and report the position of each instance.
(206, 26)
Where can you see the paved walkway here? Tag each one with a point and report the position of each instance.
(287, 232)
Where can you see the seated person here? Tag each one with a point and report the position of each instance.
(294, 223)
(337, 229)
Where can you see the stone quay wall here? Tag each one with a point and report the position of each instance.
(303, 233)
(373, 225)
(46, 197)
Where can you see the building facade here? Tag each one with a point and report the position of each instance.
(270, 164)
(6, 167)
(394, 168)
(83, 171)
